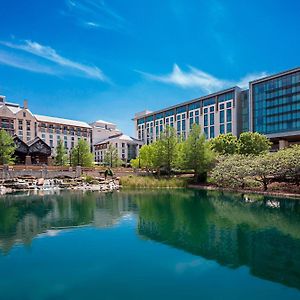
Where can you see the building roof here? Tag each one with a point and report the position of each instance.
(14, 109)
(273, 76)
(104, 122)
(122, 137)
(55, 120)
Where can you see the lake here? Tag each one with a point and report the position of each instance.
(143, 244)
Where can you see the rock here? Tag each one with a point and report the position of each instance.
(41, 181)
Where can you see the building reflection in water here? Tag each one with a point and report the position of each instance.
(234, 230)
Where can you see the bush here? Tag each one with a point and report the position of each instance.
(232, 171)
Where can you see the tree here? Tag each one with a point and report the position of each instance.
(7, 148)
(111, 157)
(232, 170)
(81, 155)
(288, 164)
(146, 157)
(61, 154)
(198, 155)
(264, 168)
(253, 143)
(165, 150)
(224, 144)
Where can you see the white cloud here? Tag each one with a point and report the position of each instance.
(49, 54)
(19, 62)
(94, 14)
(195, 78)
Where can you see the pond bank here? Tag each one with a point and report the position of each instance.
(246, 191)
(27, 184)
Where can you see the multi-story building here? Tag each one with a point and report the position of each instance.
(270, 106)
(216, 113)
(126, 146)
(52, 130)
(102, 130)
(30, 129)
(105, 133)
(275, 107)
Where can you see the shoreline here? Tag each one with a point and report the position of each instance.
(245, 191)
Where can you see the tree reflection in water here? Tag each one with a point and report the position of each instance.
(235, 230)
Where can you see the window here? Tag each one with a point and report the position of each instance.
(28, 125)
(20, 124)
(211, 132)
(228, 115)
(229, 127)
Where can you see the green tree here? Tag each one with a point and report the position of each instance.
(253, 143)
(224, 144)
(111, 157)
(264, 169)
(146, 157)
(61, 158)
(232, 171)
(165, 150)
(81, 154)
(197, 153)
(7, 148)
(288, 164)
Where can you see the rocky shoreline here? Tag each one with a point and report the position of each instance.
(31, 184)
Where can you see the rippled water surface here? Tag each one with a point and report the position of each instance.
(166, 244)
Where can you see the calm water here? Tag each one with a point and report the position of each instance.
(149, 245)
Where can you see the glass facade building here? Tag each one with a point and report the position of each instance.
(276, 103)
(270, 106)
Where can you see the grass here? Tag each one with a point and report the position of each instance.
(153, 182)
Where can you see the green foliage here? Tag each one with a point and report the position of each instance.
(111, 157)
(264, 168)
(165, 153)
(81, 155)
(160, 155)
(224, 144)
(89, 179)
(253, 143)
(146, 158)
(289, 164)
(7, 148)
(61, 157)
(240, 170)
(152, 182)
(232, 171)
(197, 154)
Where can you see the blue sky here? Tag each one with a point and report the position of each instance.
(96, 59)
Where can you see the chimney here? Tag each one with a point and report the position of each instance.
(25, 105)
(2, 99)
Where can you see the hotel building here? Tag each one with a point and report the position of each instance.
(216, 113)
(37, 136)
(275, 107)
(106, 133)
(270, 106)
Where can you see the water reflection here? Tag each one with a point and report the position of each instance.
(22, 217)
(234, 230)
